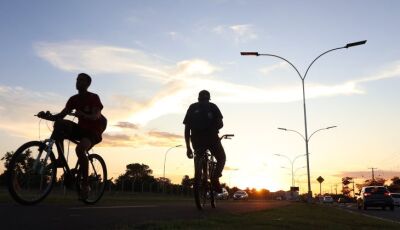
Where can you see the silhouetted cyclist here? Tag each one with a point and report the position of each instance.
(88, 131)
(203, 121)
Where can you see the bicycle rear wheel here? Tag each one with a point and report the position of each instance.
(200, 184)
(97, 179)
(31, 173)
(213, 198)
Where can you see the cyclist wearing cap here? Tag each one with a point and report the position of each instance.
(203, 121)
(88, 131)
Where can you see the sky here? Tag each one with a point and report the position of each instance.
(149, 59)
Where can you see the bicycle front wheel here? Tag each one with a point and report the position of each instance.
(31, 173)
(97, 179)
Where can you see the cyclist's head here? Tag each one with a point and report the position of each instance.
(83, 81)
(204, 96)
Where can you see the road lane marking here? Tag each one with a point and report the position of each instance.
(115, 207)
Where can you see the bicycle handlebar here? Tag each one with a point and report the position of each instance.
(227, 136)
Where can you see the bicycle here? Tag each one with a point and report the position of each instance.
(33, 172)
(204, 167)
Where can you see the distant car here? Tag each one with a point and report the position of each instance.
(240, 195)
(327, 199)
(224, 195)
(375, 196)
(396, 199)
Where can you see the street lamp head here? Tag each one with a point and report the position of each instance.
(249, 54)
(284, 129)
(355, 44)
(331, 127)
(178, 146)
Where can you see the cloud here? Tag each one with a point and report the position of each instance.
(267, 70)
(140, 139)
(19, 107)
(241, 33)
(195, 67)
(165, 135)
(126, 125)
(78, 56)
(228, 168)
(364, 175)
(181, 81)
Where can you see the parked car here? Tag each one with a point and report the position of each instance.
(375, 196)
(240, 195)
(396, 199)
(224, 195)
(327, 199)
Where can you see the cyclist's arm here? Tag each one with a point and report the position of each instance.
(187, 136)
(59, 115)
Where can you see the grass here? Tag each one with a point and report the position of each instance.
(57, 196)
(295, 216)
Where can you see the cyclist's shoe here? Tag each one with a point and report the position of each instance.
(84, 192)
(216, 185)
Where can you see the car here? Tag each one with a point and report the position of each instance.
(375, 196)
(327, 199)
(396, 199)
(224, 195)
(240, 195)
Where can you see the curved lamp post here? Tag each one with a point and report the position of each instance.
(165, 159)
(291, 163)
(306, 138)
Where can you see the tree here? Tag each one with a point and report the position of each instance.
(134, 177)
(395, 185)
(345, 186)
(187, 182)
(7, 158)
(372, 182)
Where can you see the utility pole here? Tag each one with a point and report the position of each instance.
(373, 175)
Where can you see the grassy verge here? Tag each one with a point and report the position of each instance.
(71, 197)
(295, 216)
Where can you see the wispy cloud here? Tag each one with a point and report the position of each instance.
(126, 125)
(364, 175)
(267, 70)
(228, 168)
(76, 56)
(20, 104)
(165, 135)
(241, 33)
(140, 139)
(185, 78)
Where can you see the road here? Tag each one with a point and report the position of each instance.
(108, 216)
(375, 212)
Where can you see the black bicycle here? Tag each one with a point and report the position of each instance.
(33, 172)
(204, 167)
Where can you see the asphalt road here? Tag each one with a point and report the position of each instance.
(375, 212)
(79, 216)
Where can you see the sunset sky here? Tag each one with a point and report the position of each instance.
(149, 59)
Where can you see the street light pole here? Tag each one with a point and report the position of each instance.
(304, 95)
(165, 159)
(291, 163)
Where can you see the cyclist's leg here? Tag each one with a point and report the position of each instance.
(218, 151)
(81, 149)
(63, 129)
